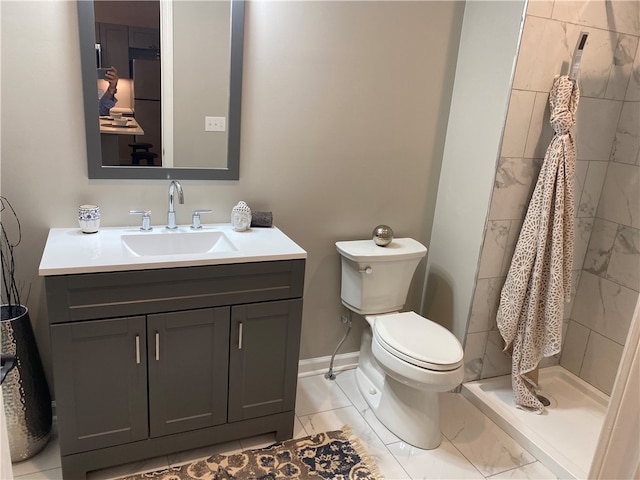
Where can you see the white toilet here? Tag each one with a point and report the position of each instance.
(405, 359)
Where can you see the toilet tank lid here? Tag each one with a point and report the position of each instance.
(366, 250)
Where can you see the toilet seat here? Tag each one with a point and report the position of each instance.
(418, 341)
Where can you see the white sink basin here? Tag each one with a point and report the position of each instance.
(167, 242)
(69, 251)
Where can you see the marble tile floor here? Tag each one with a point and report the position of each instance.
(473, 447)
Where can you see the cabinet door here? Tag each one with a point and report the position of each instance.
(101, 383)
(144, 38)
(188, 367)
(265, 343)
(115, 47)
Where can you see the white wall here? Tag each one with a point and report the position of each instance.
(200, 82)
(345, 107)
(478, 109)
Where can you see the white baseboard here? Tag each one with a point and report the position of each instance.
(318, 365)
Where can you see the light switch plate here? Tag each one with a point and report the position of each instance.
(215, 124)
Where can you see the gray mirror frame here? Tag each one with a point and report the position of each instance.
(86, 26)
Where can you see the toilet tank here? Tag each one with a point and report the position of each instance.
(376, 279)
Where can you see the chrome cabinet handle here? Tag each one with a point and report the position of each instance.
(138, 349)
(157, 346)
(240, 336)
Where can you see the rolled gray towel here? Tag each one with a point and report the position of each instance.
(261, 219)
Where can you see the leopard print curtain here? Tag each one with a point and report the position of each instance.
(539, 280)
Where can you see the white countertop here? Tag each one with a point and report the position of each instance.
(132, 127)
(69, 251)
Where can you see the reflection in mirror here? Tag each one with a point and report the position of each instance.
(179, 65)
(200, 88)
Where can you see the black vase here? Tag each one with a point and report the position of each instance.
(26, 397)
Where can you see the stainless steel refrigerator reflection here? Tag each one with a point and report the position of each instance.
(147, 102)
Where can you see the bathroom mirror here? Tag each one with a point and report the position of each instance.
(191, 159)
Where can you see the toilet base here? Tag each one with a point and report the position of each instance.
(411, 414)
(416, 422)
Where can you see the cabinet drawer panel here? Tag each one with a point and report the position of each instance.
(101, 295)
(101, 390)
(188, 365)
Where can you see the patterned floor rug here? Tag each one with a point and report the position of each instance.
(336, 455)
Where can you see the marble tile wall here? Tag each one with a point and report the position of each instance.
(607, 225)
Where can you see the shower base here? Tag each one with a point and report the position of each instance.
(565, 436)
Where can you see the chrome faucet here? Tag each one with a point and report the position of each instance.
(171, 215)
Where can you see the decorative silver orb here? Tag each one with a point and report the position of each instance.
(382, 235)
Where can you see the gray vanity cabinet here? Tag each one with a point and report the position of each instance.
(263, 358)
(101, 394)
(105, 367)
(152, 362)
(188, 365)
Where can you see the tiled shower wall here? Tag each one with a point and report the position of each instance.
(607, 245)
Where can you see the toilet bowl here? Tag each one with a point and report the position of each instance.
(416, 351)
(404, 391)
(405, 359)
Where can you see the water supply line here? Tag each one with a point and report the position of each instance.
(346, 319)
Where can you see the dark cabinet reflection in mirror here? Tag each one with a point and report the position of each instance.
(179, 89)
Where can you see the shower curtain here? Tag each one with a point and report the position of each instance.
(539, 279)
